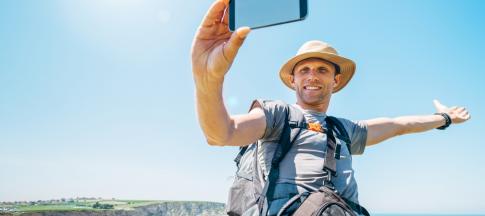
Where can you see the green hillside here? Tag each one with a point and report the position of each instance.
(92, 206)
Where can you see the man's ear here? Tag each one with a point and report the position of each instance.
(292, 80)
(336, 79)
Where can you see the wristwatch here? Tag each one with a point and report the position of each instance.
(447, 119)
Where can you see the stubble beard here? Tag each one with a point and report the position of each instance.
(316, 100)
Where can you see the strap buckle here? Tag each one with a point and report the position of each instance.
(327, 180)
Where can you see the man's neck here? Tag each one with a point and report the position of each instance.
(322, 107)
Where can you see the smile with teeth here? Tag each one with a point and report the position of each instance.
(312, 87)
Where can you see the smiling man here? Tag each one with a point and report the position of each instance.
(315, 73)
(313, 80)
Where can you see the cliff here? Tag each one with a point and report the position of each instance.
(167, 208)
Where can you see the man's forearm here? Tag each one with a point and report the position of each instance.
(212, 114)
(416, 124)
(381, 129)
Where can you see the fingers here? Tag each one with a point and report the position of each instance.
(464, 116)
(438, 105)
(460, 113)
(464, 112)
(215, 13)
(436, 102)
(235, 42)
(225, 19)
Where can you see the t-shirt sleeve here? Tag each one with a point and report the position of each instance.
(274, 113)
(357, 131)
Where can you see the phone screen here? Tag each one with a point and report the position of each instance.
(262, 13)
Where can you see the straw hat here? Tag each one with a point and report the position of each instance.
(322, 50)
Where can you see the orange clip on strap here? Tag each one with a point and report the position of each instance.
(314, 126)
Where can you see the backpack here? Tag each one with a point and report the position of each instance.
(251, 193)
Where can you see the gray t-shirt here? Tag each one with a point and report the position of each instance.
(302, 168)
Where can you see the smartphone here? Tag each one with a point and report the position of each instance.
(264, 13)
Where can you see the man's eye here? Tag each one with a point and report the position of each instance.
(323, 70)
(303, 70)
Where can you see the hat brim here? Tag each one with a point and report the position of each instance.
(347, 68)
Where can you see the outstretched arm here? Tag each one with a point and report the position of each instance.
(213, 51)
(381, 129)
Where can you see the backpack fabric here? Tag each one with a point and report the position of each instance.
(325, 201)
(247, 195)
(252, 191)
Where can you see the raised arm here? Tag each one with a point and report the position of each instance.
(381, 129)
(213, 51)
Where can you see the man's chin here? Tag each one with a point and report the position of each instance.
(312, 101)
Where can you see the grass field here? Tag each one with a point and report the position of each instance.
(72, 205)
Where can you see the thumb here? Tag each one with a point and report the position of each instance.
(235, 42)
(438, 105)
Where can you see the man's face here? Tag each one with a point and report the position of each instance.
(314, 80)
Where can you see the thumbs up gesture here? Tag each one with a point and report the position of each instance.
(457, 114)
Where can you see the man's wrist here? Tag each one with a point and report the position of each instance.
(447, 121)
(207, 86)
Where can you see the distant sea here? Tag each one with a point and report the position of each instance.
(428, 214)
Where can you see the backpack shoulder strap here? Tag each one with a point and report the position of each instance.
(336, 125)
(335, 129)
(278, 104)
(287, 137)
(293, 116)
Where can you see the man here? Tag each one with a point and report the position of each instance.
(315, 73)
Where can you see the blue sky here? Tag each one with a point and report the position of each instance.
(97, 98)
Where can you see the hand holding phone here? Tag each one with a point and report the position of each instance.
(214, 47)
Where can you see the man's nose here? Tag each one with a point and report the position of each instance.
(312, 75)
